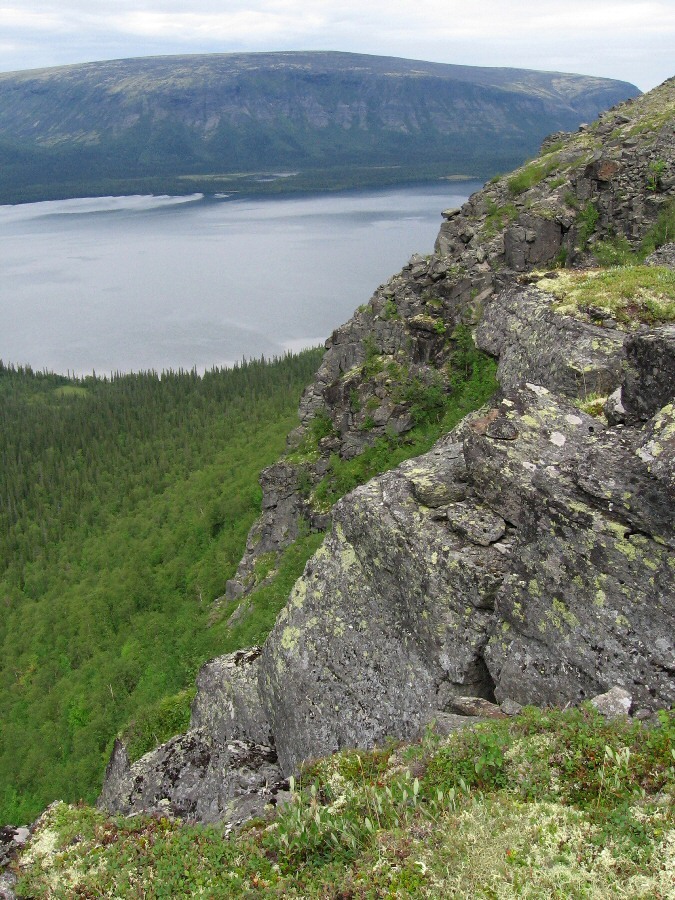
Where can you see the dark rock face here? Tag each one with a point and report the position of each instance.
(650, 373)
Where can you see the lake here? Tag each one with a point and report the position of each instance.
(130, 283)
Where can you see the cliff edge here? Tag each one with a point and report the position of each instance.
(527, 558)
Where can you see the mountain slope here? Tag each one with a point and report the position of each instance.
(82, 127)
(529, 556)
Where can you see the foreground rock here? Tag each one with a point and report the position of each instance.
(12, 841)
(218, 771)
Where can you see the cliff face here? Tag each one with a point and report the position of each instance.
(528, 557)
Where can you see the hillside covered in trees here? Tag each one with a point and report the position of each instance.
(239, 121)
(124, 508)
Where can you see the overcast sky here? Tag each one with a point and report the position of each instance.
(625, 39)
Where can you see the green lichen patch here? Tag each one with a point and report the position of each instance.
(623, 296)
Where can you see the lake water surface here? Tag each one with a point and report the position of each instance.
(130, 283)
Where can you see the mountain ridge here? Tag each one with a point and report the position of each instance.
(200, 122)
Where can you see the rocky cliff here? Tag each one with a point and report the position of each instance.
(527, 558)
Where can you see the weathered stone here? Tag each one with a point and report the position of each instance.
(438, 478)
(562, 638)
(477, 523)
(192, 777)
(614, 408)
(536, 344)
(476, 706)
(502, 430)
(12, 839)
(615, 704)
(664, 256)
(117, 778)
(510, 707)
(227, 704)
(656, 449)
(7, 884)
(444, 723)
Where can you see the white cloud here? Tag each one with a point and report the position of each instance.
(626, 39)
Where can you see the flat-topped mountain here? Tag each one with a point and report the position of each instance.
(200, 122)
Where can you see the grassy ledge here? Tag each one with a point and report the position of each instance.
(548, 804)
(630, 295)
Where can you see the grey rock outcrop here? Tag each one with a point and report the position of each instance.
(227, 703)
(12, 841)
(650, 373)
(527, 558)
(220, 771)
(399, 607)
(395, 605)
(536, 344)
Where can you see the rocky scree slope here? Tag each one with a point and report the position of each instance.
(527, 558)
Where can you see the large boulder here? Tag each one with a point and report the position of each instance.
(391, 615)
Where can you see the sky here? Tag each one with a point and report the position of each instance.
(625, 39)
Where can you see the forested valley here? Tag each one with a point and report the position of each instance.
(124, 508)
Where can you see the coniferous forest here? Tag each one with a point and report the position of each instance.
(124, 507)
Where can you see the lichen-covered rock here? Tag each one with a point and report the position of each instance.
(193, 777)
(13, 839)
(227, 704)
(394, 605)
(395, 617)
(117, 779)
(588, 603)
(536, 344)
(657, 448)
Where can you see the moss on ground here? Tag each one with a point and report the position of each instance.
(628, 295)
(548, 804)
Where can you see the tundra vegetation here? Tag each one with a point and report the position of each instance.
(548, 804)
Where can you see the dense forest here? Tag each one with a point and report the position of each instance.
(124, 508)
(125, 503)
